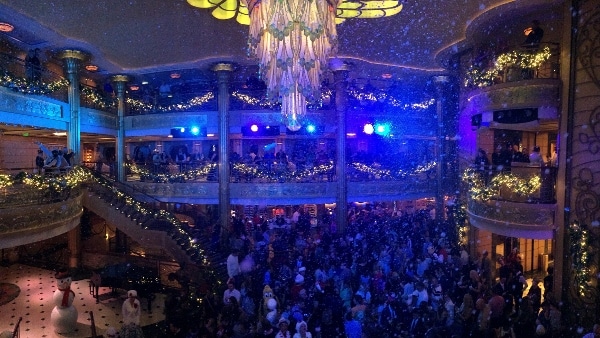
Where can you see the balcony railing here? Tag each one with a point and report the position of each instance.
(521, 63)
(16, 75)
(521, 183)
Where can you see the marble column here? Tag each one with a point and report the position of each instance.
(440, 85)
(120, 81)
(74, 244)
(223, 71)
(72, 62)
(340, 73)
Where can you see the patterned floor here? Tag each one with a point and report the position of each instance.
(34, 304)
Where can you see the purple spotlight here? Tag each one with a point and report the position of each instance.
(254, 128)
(368, 129)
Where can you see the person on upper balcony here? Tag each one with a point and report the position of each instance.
(481, 160)
(535, 157)
(534, 34)
(33, 66)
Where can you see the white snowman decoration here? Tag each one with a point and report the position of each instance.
(64, 314)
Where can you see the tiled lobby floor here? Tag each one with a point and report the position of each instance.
(34, 304)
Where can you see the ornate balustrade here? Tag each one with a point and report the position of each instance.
(287, 193)
(513, 219)
(32, 222)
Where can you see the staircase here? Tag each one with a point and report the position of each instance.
(156, 229)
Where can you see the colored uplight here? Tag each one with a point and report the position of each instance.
(254, 128)
(182, 130)
(368, 129)
(195, 131)
(311, 128)
(382, 129)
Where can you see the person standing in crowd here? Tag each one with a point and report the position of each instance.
(481, 160)
(535, 157)
(302, 330)
(33, 66)
(39, 162)
(534, 33)
(595, 332)
(111, 332)
(233, 264)
(283, 328)
(68, 156)
(131, 309)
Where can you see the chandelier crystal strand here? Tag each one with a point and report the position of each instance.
(292, 40)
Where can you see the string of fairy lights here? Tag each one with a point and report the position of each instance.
(459, 215)
(476, 77)
(579, 239)
(25, 86)
(102, 101)
(186, 175)
(251, 172)
(508, 182)
(137, 211)
(127, 204)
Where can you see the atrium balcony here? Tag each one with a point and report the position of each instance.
(520, 203)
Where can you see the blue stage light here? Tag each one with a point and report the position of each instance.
(311, 128)
(368, 129)
(195, 131)
(382, 129)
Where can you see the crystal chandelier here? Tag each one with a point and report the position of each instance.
(293, 40)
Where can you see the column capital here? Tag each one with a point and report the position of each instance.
(223, 66)
(73, 54)
(119, 78)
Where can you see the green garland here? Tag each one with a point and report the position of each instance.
(578, 235)
(98, 99)
(476, 77)
(479, 191)
(22, 85)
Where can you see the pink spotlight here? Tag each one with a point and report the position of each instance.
(254, 128)
(368, 129)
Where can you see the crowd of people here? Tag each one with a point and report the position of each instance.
(387, 275)
(49, 161)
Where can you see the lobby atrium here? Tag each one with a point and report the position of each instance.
(340, 148)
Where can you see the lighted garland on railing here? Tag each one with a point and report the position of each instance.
(186, 175)
(578, 234)
(525, 60)
(5, 181)
(182, 106)
(132, 207)
(289, 176)
(70, 180)
(382, 96)
(98, 99)
(254, 101)
(387, 173)
(24, 86)
(254, 172)
(517, 185)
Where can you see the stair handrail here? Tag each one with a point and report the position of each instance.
(17, 331)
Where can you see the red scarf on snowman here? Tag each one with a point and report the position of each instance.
(66, 291)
